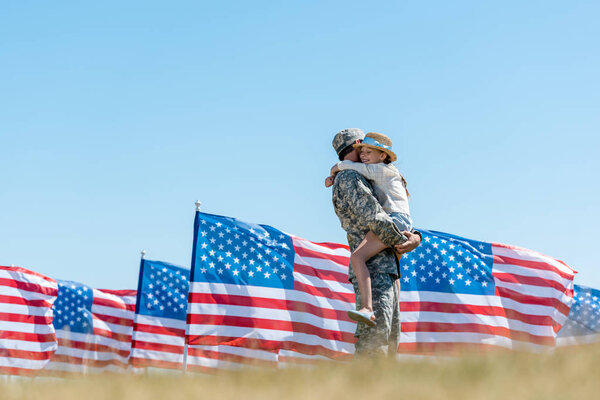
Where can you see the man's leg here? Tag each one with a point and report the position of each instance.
(394, 340)
(375, 341)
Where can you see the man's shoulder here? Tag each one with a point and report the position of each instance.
(347, 178)
(350, 189)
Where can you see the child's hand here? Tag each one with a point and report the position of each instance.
(329, 181)
(334, 170)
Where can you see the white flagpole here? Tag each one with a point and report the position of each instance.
(187, 326)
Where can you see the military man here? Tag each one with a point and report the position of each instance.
(360, 212)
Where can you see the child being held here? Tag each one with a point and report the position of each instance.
(390, 190)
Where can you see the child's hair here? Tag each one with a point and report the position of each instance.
(388, 160)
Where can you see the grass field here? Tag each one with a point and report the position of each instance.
(569, 373)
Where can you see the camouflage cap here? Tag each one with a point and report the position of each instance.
(345, 138)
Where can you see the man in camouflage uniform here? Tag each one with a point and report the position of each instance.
(360, 212)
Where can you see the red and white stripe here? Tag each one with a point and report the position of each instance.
(533, 294)
(289, 358)
(108, 348)
(157, 342)
(210, 359)
(309, 319)
(27, 337)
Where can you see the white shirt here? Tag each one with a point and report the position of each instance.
(387, 184)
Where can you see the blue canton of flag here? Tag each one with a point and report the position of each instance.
(235, 252)
(73, 307)
(163, 290)
(584, 317)
(448, 263)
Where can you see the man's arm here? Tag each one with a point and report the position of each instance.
(413, 241)
(366, 208)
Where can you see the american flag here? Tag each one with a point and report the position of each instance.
(27, 337)
(458, 292)
(93, 327)
(583, 325)
(159, 329)
(256, 287)
(159, 332)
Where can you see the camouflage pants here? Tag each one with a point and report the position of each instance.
(382, 339)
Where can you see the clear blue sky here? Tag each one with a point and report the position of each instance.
(116, 116)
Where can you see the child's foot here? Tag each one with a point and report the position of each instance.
(363, 315)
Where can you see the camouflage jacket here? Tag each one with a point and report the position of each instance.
(360, 212)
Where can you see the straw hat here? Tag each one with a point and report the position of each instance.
(378, 141)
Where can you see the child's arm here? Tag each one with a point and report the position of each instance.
(334, 170)
(329, 180)
(369, 171)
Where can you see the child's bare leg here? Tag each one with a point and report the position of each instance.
(370, 246)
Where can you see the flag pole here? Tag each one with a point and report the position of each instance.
(138, 297)
(198, 203)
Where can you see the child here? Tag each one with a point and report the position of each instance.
(390, 189)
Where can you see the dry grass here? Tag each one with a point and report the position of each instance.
(565, 374)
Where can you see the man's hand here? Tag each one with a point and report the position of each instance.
(412, 243)
(329, 181)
